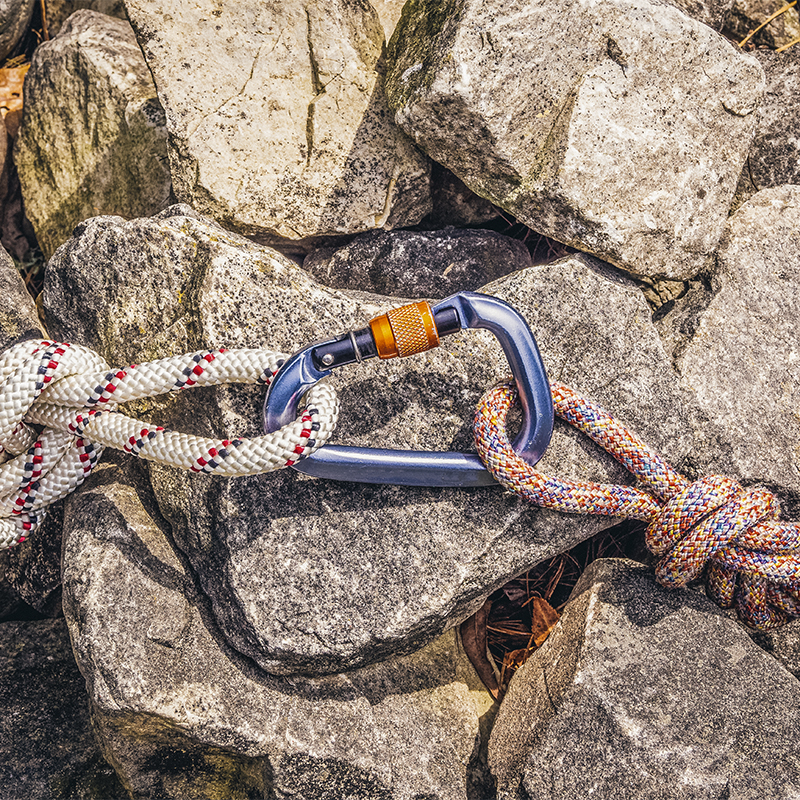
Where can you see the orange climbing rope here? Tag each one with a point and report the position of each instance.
(751, 558)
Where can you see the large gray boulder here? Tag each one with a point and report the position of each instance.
(739, 354)
(182, 715)
(618, 127)
(320, 576)
(92, 139)
(416, 263)
(277, 117)
(47, 747)
(642, 694)
(774, 157)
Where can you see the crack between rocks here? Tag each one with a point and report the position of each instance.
(318, 90)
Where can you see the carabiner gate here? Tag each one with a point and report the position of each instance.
(402, 332)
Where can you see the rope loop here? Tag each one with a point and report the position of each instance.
(750, 557)
(71, 392)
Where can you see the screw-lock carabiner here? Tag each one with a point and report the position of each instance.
(405, 331)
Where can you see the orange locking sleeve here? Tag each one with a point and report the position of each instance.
(405, 331)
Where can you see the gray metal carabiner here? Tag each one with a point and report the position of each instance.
(413, 467)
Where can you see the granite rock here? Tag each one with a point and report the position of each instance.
(18, 318)
(182, 715)
(301, 574)
(92, 139)
(639, 694)
(713, 13)
(774, 157)
(747, 15)
(58, 11)
(741, 357)
(47, 748)
(412, 264)
(618, 127)
(15, 16)
(278, 122)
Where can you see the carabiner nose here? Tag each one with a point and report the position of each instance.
(406, 331)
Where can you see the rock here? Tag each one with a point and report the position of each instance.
(298, 142)
(454, 204)
(15, 16)
(747, 15)
(58, 11)
(182, 715)
(92, 138)
(301, 574)
(18, 318)
(619, 127)
(774, 157)
(47, 749)
(782, 643)
(741, 360)
(411, 264)
(389, 13)
(641, 693)
(713, 13)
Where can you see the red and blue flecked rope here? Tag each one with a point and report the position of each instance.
(751, 558)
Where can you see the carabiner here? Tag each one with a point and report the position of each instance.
(405, 331)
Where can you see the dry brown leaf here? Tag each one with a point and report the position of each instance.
(543, 620)
(11, 80)
(473, 637)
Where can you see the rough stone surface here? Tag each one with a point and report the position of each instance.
(15, 16)
(47, 749)
(389, 12)
(639, 694)
(618, 127)
(452, 203)
(411, 264)
(303, 575)
(18, 318)
(746, 15)
(713, 13)
(92, 139)
(277, 116)
(742, 359)
(182, 715)
(782, 643)
(774, 157)
(58, 11)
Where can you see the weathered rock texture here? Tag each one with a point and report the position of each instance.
(434, 264)
(641, 694)
(15, 16)
(747, 15)
(277, 117)
(742, 360)
(713, 13)
(618, 127)
(302, 575)
(58, 11)
(18, 318)
(47, 749)
(774, 157)
(92, 139)
(181, 715)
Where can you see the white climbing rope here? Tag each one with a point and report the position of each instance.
(72, 393)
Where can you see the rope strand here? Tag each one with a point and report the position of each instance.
(751, 558)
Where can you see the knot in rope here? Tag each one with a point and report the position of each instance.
(71, 392)
(751, 558)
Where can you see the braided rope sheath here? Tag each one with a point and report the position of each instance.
(71, 391)
(752, 558)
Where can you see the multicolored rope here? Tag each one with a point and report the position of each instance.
(751, 558)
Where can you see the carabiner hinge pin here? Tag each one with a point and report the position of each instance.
(400, 332)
